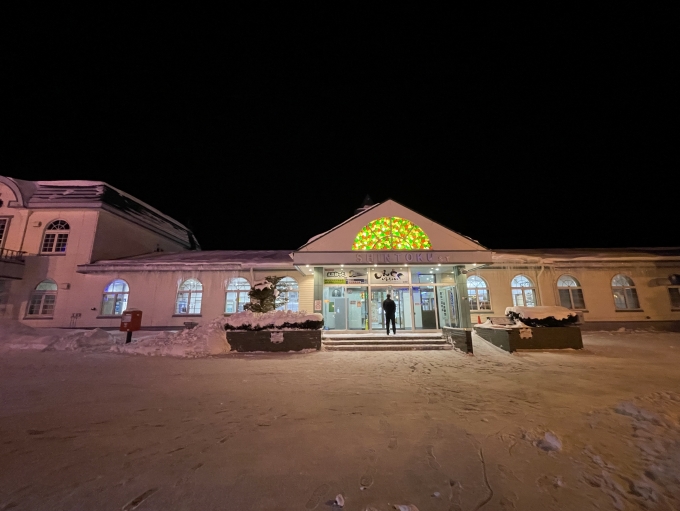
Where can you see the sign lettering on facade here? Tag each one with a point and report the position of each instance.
(389, 276)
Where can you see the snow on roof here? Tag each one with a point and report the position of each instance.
(98, 194)
(314, 238)
(552, 255)
(196, 259)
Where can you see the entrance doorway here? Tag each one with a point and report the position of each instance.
(402, 300)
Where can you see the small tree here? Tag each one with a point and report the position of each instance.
(265, 295)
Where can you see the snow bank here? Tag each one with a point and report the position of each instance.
(274, 320)
(17, 336)
(542, 312)
(201, 341)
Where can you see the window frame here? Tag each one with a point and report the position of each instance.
(676, 288)
(238, 292)
(475, 291)
(633, 292)
(286, 293)
(571, 290)
(42, 294)
(191, 293)
(115, 295)
(3, 235)
(57, 233)
(523, 289)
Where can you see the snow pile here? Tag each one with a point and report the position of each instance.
(17, 336)
(542, 312)
(86, 340)
(550, 316)
(201, 341)
(274, 320)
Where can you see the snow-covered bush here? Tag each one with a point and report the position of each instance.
(274, 320)
(548, 316)
(265, 295)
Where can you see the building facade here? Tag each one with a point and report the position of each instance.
(78, 253)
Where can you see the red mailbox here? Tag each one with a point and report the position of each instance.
(131, 321)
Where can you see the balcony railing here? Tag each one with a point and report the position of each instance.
(12, 256)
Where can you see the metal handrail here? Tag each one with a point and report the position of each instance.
(12, 255)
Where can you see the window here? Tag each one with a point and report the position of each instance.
(237, 295)
(56, 236)
(523, 292)
(189, 297)
(3, 229)
(115, 298)
(625, 295)
(674, 291)
(478, 294)
(571, 294)
(43, 300)
(288, 287)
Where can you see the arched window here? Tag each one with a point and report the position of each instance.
(523, 292)
(391, 233)
(571, 294)
(237, 295)
(289, 289)
(189, 297)
(115, 298)
(625, 294)
(478, 294)
(674, 291)
(55, 238)
(43, 299)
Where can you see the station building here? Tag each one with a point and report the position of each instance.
(79, 253)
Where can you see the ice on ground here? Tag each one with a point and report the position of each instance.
(550, 442)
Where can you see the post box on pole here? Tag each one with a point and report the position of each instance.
(131, 321)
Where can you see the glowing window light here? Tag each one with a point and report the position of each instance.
(391, 233)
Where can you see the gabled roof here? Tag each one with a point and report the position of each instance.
(342, 236)
(97, 194)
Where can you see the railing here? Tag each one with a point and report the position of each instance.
(13, 256)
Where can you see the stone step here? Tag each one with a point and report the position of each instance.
(383, 337)
(387, 347)
(380, 342)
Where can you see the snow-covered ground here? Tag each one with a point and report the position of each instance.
(88, 428)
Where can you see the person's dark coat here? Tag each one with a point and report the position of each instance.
(389, 307)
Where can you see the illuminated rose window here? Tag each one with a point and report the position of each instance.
(392, 233)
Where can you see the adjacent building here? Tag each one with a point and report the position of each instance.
(79, 253)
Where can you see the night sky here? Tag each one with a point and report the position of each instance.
(518, 129)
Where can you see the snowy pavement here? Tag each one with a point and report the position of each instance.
(574, 430)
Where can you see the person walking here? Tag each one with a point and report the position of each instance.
(389, 307)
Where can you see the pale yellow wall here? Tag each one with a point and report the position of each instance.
(16, 216)
(117, 237)
(154, 293)
(596, 284)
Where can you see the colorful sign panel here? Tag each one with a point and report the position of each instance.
(389, 276)
(339, 276)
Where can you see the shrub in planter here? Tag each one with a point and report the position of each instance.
(265, 295)
(547, 316)
(274, 320)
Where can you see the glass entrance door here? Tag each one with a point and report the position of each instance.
(357, 308)
(425, 307)
(403, 314)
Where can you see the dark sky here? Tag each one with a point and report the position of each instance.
(516, 128)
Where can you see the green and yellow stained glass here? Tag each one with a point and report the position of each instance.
(393, 233)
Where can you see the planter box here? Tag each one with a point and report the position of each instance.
(274, 340)
(460, 337)
(530, 338)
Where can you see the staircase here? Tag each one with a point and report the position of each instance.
(382, 342)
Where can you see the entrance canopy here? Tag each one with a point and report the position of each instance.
(389, 234)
